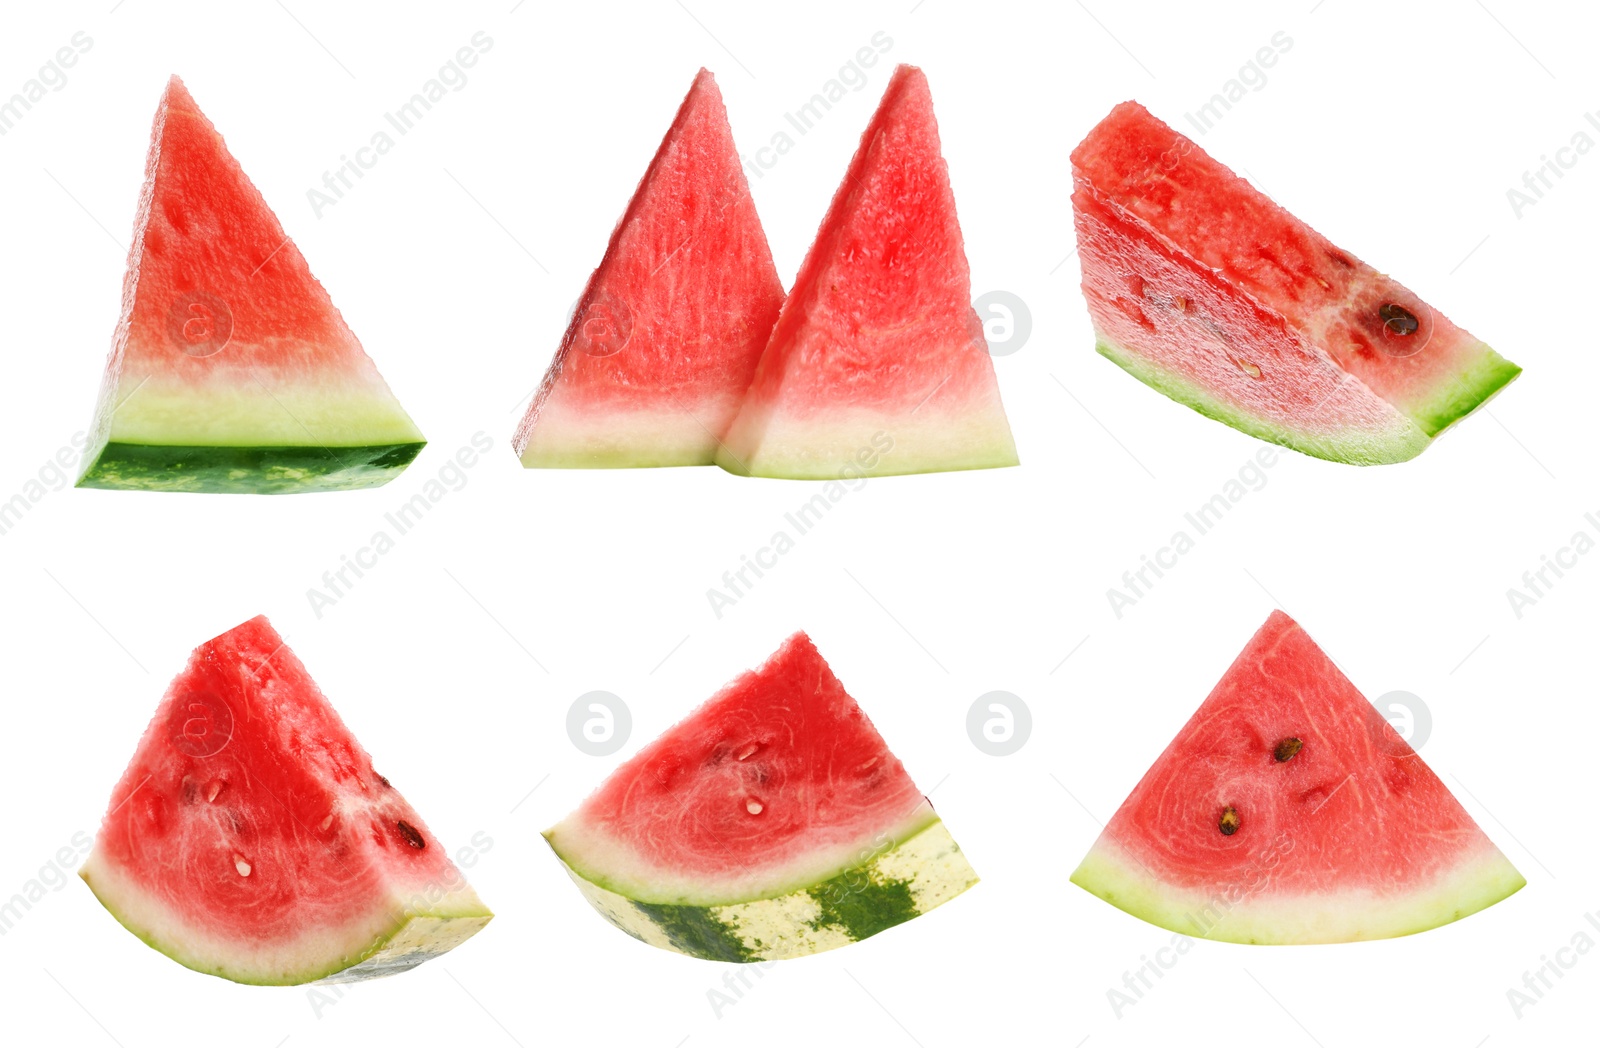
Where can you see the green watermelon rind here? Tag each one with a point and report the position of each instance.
(1259, 917)
(418, 933)
(898, 882)
(1405, 441)
(262, 470)
(1454, 401)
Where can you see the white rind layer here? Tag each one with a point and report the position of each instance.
(1257, 914)
(399, 932)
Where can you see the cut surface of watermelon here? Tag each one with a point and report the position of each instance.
(878, 363)
(772, 822)
(1203, 288)
(251, 838)
(231, 370)
(1287, 810)
(666, 335)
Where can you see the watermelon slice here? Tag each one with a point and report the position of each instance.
(231, 370)
(1288, 811)
(1205, 289)
(668, 331)
(772, 822)
(251, 838)
(878, 364)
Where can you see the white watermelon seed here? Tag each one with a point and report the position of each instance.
(242, 866)
(748, 750)
(1250, 369)
(326, 822)
(216, 788)
(752, 806)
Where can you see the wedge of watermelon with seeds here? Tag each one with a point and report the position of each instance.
(878, 363)
(1287, 810)
(252, 839)
(668, 331)
(231, 370)
(1203, 288)
(772, 822)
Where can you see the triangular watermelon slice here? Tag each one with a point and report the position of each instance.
(1289, 811)
(231, 370)
(878, 364)
(668, 331)
(251, 838)
(772, 822)
(1203, 288)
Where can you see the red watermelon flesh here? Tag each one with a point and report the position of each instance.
(777, 782)
(667, 334)
(1204, 288)
(231, 369)
(252, 838)
(878, 362)
(1288, 810)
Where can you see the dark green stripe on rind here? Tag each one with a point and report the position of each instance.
(276, 470)
(696, 931)
(862, 902)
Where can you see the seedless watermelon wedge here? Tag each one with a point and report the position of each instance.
(251, 838)
(1288, 811)
(231, 370)
(878, 363)
(772, 822)
(668, 331)
(1206, 290)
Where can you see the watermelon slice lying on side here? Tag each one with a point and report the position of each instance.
(1206, 290)
(231, 370)
(251, 838)
(1289, 811)
(772, 822)
(668, 331)
(878, 363)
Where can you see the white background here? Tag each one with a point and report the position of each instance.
(1395, 129)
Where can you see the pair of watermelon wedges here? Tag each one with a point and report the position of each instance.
(683, 349)
(252, 838)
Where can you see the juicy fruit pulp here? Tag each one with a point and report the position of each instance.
(1205, 289)
(1288, 810)
(878, 363)
(668, 331)
(251, 837)
(231, 370)
(773, 821)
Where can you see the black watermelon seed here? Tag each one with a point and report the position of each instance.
(1229, 823)
(1398, 319)
(409, 832)
(1286, 749)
